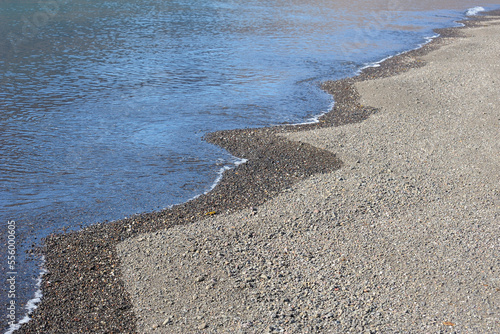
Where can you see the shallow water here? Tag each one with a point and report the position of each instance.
(103, 105)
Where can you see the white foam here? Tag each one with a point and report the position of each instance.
(217, 180)
(240, 161)
(221, 174)
(377, 63)
(470, 12)
(315, 119)
(474, 11)
(32, 304)
(374, 64)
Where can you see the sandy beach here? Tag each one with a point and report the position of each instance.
(382, 218)
(402, 238)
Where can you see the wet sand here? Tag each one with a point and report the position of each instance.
(383, 217)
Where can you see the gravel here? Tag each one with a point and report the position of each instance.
(402, 238)
(377, 219)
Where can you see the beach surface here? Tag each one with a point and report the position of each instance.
(402, 238)
(381, 218)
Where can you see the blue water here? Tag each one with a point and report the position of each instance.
(103, 104)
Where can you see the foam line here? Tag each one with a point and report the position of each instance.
(474, 11)
(32, 304)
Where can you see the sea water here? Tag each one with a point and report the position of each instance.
(104, 104)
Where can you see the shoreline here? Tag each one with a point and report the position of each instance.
(75, 295)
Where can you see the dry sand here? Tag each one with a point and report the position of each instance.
(404, 238)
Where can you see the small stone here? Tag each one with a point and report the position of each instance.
(203, 326)
(167, 321)
(247, 324)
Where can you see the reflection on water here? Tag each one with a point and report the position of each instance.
(103, 104)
